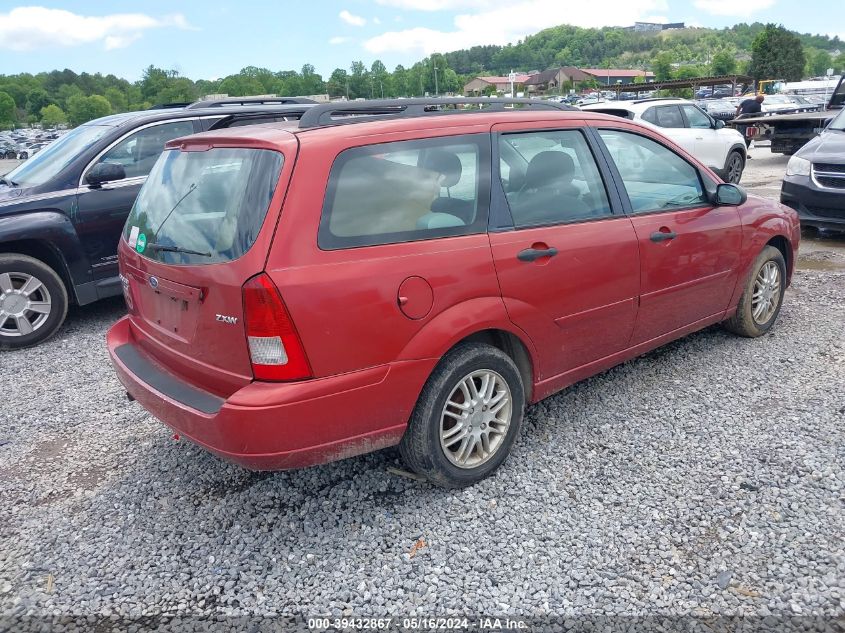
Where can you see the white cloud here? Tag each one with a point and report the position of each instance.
(739, 8)
(349, 18)
(338, 40)
(507, 21)
(376, 21)
(31, 28)
(435, 5)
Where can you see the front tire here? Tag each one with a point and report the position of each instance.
(467, 417)
(734, 166)
(33, 301)
(762, 297)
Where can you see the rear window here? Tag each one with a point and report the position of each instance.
(407, 191)
(203, 207)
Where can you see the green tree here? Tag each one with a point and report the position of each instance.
(52, 115)
(117, 99)
(338, 83)
(83, 109)
(777, 54)
(723, 63)
(36, 99)
(7, 110)
(820, 61)
(662, 66)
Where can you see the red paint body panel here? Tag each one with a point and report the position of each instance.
(579, 305)
(374, 321)
(691, 276)
(272, 427)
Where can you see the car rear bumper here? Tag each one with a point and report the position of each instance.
(822, 208)
(276, 426)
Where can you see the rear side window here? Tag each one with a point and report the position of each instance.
(551, 177)
(407, 191)
(665, 116)
(203, 207)
(655, 177)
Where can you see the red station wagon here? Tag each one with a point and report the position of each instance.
(410, 272)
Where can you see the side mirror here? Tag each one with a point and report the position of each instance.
(719, 124)
(730, 195)
(104, 172)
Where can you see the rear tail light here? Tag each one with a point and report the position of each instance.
(274, 346)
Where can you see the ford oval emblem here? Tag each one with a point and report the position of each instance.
(153, 282)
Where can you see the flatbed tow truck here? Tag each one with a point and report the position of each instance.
(789, 132)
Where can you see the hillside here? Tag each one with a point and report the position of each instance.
(617, 47)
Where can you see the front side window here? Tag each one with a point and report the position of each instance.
(696, 117)
(138, 152)
(655, 177)
(551, 177)
(406, 191)
(203, 207)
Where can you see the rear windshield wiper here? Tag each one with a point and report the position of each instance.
(152, 246)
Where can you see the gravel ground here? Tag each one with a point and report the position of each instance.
(705, 478)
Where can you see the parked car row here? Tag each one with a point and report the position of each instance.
(22, 144)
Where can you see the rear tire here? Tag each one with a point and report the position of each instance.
(762, 297)
(467, 417)
(33, 301)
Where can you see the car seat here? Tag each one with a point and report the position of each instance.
(448, 164)
(549, 195)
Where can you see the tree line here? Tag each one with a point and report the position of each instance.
(762, 51)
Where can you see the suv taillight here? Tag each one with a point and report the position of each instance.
(274, 346)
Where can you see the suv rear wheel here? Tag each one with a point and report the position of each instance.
(467, 417)
(33, 301)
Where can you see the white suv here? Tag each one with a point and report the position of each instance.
(720, 148)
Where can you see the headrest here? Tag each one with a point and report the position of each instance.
(445, 163)
(548, 168)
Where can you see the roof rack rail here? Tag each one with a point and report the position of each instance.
(236, 101)
(168, 106)
(659, 99)
(378, 109)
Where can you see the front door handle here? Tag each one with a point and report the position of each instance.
(530, 254)
(661, 236)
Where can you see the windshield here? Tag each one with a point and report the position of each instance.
(56, 156)
(837, 100)
(203, 207)
(838, 122)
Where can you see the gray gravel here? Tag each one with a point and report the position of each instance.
(705, 478)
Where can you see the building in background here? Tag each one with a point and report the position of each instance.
(483, 85)
(613, 76)
(557, 80)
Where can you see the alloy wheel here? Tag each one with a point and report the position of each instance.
(475, 419)
(766, 295)
(25, 304)
(735, 169)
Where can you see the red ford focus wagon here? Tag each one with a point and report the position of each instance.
(415, 272)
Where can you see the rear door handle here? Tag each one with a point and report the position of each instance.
(661, 236)
(530, 254)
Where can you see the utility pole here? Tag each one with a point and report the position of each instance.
(347, 88)
(436, 87)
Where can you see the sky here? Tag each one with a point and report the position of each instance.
(208, 39)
